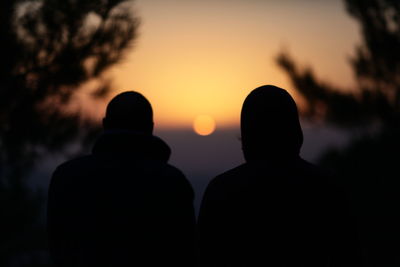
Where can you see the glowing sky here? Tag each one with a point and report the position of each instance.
(203, 57)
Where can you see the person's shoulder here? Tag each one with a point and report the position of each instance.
(67, 173)
(175, 176)
(311, 168)
(75, 164)
(170, 171)
(315, 174)
(223, 185)
(232, 176)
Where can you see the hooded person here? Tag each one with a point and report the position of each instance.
(276, 209)
(122, 205)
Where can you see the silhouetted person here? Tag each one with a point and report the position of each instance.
(123, 205)
(276, 209)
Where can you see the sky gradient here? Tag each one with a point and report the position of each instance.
(203, 57)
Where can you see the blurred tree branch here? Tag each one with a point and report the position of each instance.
(376, 66)
(367, 167)
(49, 49)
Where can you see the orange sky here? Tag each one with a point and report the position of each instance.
(203, 57)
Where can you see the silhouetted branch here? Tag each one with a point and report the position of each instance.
(50, 48)
(376, 65)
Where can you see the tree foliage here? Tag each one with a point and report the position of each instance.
(376, 66)
(50, 48)
(368, 167)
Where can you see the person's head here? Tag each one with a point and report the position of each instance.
(129, 111)
(270, 125)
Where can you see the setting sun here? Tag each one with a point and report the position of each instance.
(204, 125)
(187, 65)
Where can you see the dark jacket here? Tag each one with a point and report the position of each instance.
(123, 205)
(266, 214)
(276, 209)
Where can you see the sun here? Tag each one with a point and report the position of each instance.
(204, 125)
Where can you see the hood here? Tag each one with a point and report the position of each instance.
(129, 144)
(270, 125)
